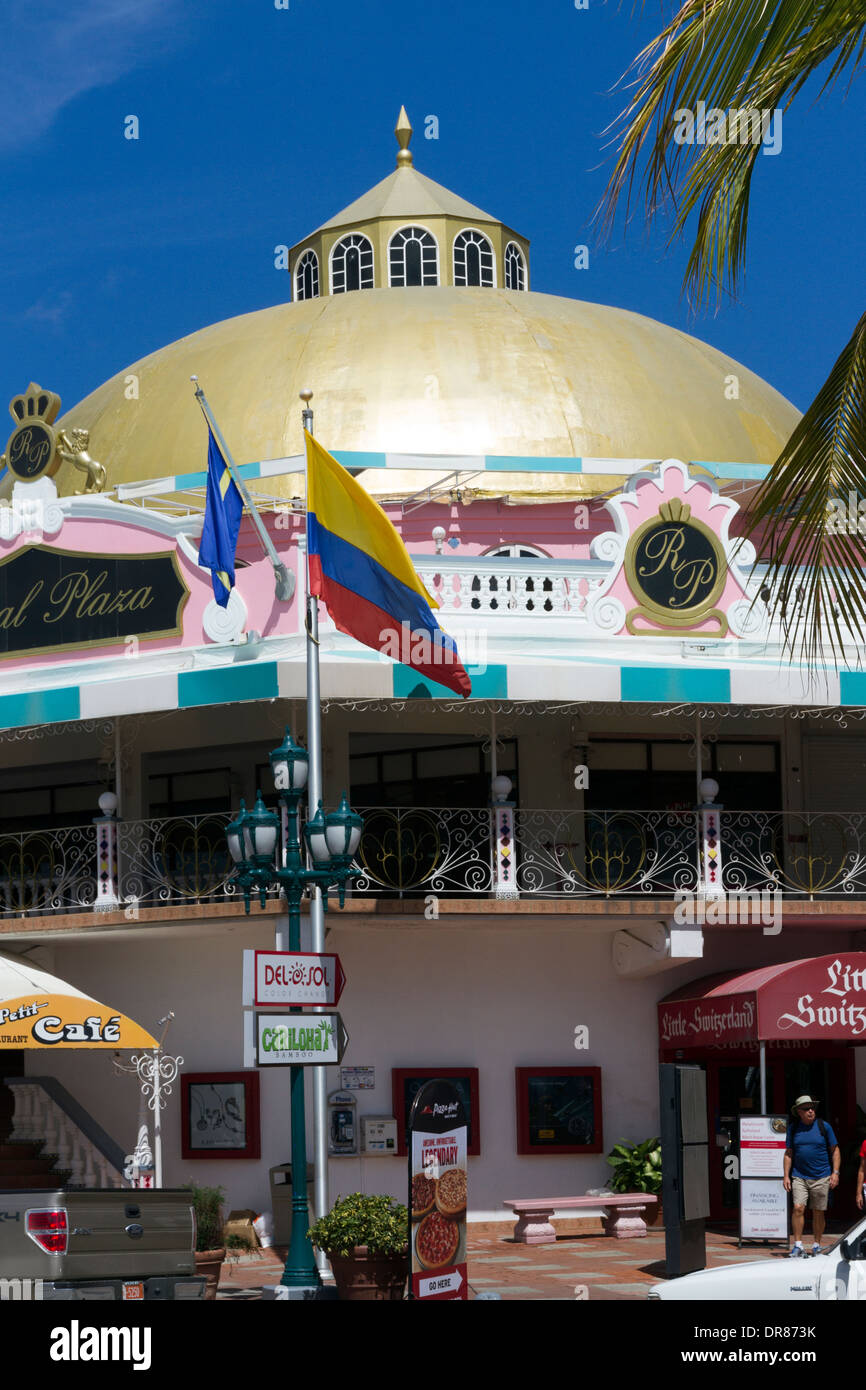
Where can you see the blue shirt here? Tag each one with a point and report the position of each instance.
(811, 1159)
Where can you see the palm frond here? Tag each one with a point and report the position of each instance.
(730, 55)
(816, 574)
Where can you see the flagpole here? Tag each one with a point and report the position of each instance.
(321, 1199)
(284, 581)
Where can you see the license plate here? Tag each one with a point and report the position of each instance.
(132, 1291)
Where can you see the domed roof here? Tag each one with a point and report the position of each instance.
(435, 370)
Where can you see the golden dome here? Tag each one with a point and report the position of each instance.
(435, 370)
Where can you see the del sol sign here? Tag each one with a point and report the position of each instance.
(51, 599)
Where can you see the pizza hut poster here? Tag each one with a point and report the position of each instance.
(437, 1193)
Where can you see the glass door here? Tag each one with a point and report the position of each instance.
(738, 1093)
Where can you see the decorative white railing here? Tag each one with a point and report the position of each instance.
(506, 586)
(46, 1114)
(494, 850)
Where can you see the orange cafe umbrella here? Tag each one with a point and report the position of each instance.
(38, 1010)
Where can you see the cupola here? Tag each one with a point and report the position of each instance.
(408, 231)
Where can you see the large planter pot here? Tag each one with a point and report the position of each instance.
(209, 1263)
(361, 1276)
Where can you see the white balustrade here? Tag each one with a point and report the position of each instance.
(38, 1119)
(64, 1139)
(88, 1177)
(512, 587)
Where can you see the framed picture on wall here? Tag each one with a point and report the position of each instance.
(406, 1082)
(220, 1115)
(559, 1110)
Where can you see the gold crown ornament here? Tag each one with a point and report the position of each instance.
(31, 451)
(675, 510)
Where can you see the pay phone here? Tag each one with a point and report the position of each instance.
(342, 1123)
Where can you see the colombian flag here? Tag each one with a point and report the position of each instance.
(361, 569)
(222, 520)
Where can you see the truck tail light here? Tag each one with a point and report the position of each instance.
(48, 1228)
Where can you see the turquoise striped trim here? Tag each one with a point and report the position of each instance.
(186, 480)
(503, 463)
(248, 681)
(490, 684)
(40, 707)
(733, 470)
(494, 463)
(852, 687)
(359, 460)
(673, 684)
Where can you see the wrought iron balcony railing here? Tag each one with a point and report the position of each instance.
(410, 852)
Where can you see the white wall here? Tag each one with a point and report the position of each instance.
(494, 997)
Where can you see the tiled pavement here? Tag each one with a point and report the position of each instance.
(585, 1267)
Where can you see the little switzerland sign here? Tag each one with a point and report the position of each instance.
(824, 998)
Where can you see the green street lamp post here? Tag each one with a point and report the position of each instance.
(331, 842)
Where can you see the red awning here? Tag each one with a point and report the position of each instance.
(820, 998)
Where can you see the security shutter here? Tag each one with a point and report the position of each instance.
(835, 771)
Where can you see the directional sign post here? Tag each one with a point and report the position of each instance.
(294, 979)
(297, 1040)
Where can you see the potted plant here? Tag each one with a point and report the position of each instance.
(210, 1249)
(365, 1239)
(638, 1168)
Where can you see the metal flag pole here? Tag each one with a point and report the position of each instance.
(284, 582)
(321, 1201)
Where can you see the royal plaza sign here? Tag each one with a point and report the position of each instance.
(823, 998)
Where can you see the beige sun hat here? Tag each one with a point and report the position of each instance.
(803, 1100)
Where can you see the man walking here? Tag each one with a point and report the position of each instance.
(812, 1161)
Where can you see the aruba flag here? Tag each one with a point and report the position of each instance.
(361, 569)
(222, 520)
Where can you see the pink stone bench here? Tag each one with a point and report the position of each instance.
(622, 1215)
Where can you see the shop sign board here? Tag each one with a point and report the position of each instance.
(437, 1192)
(763, 1140)
(52, 599)
(763, 1209)
(63, 1021)
(297, 1040)
(763, 1199)
(822, 999)
(301, 979)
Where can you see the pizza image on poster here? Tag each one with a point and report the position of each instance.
(437, 1192)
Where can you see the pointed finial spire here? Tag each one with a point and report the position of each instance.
(403, 132)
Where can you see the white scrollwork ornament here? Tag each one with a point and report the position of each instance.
(747, 618)
(224, 625)
(146, 1068)
(607, 614)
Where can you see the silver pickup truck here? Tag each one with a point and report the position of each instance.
(111, 1244)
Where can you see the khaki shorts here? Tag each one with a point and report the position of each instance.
(811, 1192)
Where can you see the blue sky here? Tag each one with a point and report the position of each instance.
(257, 123)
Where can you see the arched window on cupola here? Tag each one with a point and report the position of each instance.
(473, 260)
(515, 267)
(307, 276)
(352, 264)
(413, 257)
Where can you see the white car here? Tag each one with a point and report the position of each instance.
(838, 1273)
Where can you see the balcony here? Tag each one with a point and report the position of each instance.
(410, 852)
